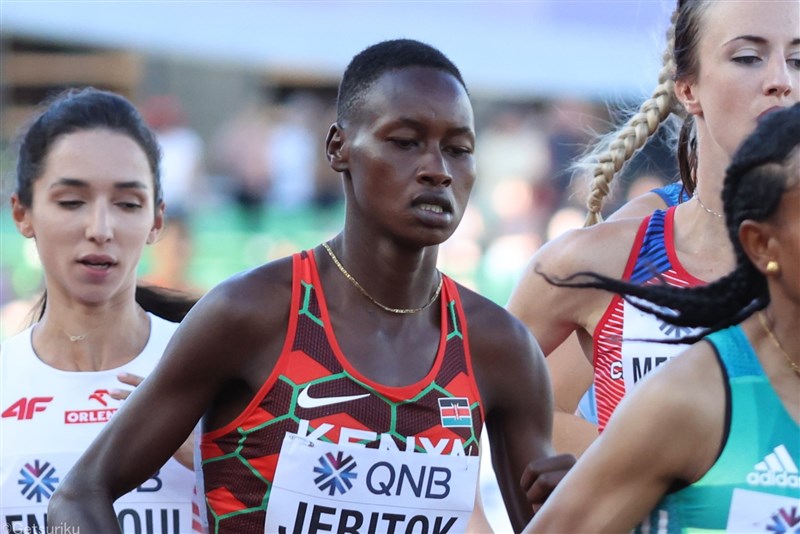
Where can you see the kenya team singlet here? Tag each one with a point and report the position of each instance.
(322, 447)
(754, 486)
(619, 360)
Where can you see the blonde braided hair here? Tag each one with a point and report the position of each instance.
(636, 131)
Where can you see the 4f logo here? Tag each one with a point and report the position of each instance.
(25, 408)
(335, 472)
(38, 481)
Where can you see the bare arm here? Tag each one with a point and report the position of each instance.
(571, 374)
(624, 473)
(556, 315)
(478, 522)
(185, 453)
(515, 391)
(160, 414)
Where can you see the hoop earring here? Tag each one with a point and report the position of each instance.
(773, 267)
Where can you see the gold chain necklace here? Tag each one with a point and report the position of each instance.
(768, 330)
(709, 210)
(401, 311)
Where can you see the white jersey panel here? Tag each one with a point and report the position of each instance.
(50, 416)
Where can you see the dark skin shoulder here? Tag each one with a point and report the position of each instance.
(222, 353)
(515, 390)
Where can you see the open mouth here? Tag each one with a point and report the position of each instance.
(431, 207)
(95, 265)
(98, 262)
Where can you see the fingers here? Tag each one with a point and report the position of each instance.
(130, 379)
(126, 378)
(542, 476)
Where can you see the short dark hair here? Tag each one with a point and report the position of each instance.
(370, 64)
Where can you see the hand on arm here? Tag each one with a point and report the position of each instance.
(541, 477)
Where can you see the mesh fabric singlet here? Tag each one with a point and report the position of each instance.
(240, 459)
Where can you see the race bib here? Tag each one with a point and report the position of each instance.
(324, 487)
(754, 511)
(162, 504)
(640, 358)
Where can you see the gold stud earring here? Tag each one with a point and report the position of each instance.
(773, 267)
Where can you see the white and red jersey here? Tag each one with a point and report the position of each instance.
(619, 360)
(50, 416)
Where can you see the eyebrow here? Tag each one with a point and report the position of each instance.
(760, 40)
(413, 123)
(75, 182)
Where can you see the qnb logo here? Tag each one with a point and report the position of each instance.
(335, 473)
(778, 469)
(674, 330)
(100, 396)
(26, 408)
(38, 481)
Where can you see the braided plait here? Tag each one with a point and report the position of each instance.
(633, 135)
(760, 173)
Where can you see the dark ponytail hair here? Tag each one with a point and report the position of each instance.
(763, 168)
(84, 109)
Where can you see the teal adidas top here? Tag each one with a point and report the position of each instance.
(754, 485)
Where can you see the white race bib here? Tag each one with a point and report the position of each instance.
(754, 511)
(321, 486)
(162, 504)
(640, 358)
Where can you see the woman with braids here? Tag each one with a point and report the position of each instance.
(715, 433)
(89, 194)
(727, 64)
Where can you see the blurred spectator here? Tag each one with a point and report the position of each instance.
(568, 132)
(240, 156)
(294, 147)
(181, 152)
(512, 156)
(564, 219)
(172, 257)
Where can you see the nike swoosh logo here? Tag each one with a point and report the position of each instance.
(304, 400)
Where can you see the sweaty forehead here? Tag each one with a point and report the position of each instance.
(420, 93)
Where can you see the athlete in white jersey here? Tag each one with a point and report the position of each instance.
(88, 194)
(49, 418)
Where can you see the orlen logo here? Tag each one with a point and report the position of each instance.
(72, 417)
(100, 396)
(25, 408)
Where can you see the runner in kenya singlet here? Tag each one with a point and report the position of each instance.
(321, 447)
(619, 360)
